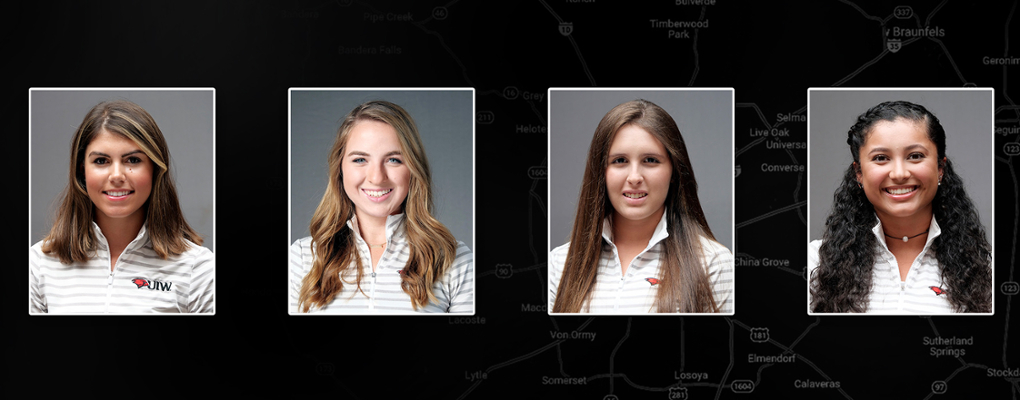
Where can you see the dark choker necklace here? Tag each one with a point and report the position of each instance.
(905, 238)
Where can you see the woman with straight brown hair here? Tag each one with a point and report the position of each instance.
(375, 245)
(640, 242)
(120, 243)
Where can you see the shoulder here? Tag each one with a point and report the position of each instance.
(464, 256)
(195, 255)
(300, 251)
(37, 257)
(814, 245)
(558, 256)
(813, 248)
(36, 249)
(197, 251)
(561, 251)
(304, 243)
(714, 252)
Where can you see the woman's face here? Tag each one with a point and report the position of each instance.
(899, 169)
(374, 174)
(638, 174)
(118, 177)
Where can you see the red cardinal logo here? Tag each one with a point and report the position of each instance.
(937, 290)
(140, 282)
(653, 281)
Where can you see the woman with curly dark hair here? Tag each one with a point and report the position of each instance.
(903, 236)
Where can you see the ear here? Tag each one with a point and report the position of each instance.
(857, 171)
(942, 165)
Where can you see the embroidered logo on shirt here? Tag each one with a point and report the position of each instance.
(152, 285)
(653, 281)
(937, 290)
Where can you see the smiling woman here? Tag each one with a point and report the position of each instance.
(903, 237)
(120, 227)
(375, 245)
(640, 241)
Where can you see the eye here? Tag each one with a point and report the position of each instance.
(394, 160)
(879, 158)
(915, 156)
(652, 160)
(134, 160)
(359, 160)
(100, 161)
(618, 160)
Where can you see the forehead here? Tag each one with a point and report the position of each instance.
(896, 133)
(109, 140)
(367, 135)
(634, 137)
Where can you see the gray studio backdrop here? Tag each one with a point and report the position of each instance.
(184, 116)
(705, 118)
(445, 120)
(966, 116)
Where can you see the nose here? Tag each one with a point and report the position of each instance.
(376, 173)
(117, 172)
(899, 171)
(634, 176)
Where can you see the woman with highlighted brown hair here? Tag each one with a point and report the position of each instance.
(640, 242)
(376, 246)
(120, 243)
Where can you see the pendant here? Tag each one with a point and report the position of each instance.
(905, 239)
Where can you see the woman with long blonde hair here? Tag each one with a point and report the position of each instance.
(120, 243)
(375, 246)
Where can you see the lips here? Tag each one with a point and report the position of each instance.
(117, 194)
(900, 193)
(635, 198)
(377, 195)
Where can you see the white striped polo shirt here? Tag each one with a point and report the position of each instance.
(634, 292)
(382, 293)
(919, 293)
(140, 282)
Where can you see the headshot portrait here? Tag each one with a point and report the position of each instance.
(381, 201)
(900, 201)
(117, 225)
(641, 201)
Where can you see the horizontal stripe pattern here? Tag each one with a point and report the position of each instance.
(381, 293)
(179, 284)
(633, 293)
(890, 294)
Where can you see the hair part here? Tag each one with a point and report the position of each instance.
(335, 257)
(684, 284)
(843, 280)
(71, 239)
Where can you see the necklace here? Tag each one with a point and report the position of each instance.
(905, 238)
(383, 245)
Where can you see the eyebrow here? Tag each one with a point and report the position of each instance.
(364, 154)
(642, 155)
(908, 148)
(98, 153)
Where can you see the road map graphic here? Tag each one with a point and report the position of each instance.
(511, 53)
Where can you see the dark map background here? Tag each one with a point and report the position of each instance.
(252, 52)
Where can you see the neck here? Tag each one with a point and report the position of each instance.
(373, 229)
(120, 231)
(631, 231)
(913, 227)
(906, 226)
